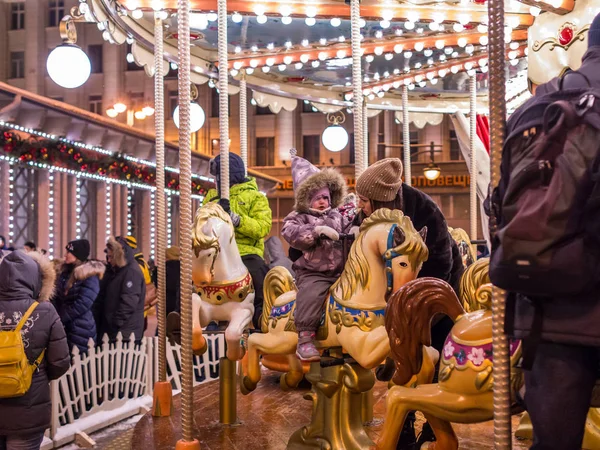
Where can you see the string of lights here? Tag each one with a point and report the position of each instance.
(152, 224)
(51, 188)
(78, 185)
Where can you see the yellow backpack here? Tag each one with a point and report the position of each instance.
(15, 370)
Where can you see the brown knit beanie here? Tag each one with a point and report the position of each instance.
(381, 181)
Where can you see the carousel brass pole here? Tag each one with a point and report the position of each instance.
(502, 431)
(472, 135)
(244, 121)
(227, 372)
(162, 403)
(357, 94)
(406, 136)
(185, 229)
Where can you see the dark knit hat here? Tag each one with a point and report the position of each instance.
(594, 33)
(79, 248)
(381, 181)
(237, 172)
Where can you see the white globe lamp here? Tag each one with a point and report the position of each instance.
(68, 66)
(197, 117)
(335, 137)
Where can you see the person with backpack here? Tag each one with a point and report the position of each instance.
(77, 288)
(546, 248)
(251, 216)
(33, 349)
(120, 304)
(151, 295)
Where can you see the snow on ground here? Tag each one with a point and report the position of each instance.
(104, 437)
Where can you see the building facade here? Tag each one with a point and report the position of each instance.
(29, 31)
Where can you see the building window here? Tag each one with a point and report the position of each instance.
(311, 148)
(173, 102)
(263, 111)
(136, 100)
(214, 103)
(265, 151)
(308, 108)
(17, 64)
(414, 142)
(94, 52)
(56, 11)
(96, 104)
(17, 16)
(454, 147)
(132, 66)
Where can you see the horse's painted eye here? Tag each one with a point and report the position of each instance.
(403, 264)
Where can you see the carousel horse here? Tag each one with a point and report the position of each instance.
(388, 253)
(464, 392)
(465, 248)
(222, 281)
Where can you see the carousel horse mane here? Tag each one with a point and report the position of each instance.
(356, 273)
(476, 275)
(201, 240)
(408, 318)
(278, 281)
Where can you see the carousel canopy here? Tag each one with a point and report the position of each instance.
(302, 50)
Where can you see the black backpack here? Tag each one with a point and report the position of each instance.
(546, 239)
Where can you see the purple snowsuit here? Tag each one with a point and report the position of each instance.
(322, 262)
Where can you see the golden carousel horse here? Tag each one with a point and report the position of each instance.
(224, 286)
(467, 253)
(388, 253)
(464, 392)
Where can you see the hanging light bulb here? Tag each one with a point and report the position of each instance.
(197, 117)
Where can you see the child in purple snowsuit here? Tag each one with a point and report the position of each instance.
(319, 194)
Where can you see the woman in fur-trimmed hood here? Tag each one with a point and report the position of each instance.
(24, 279)
(77, 288)
(120, 304)
(319, 194)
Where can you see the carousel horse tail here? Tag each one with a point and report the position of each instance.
(476, 276)
(277, 282)
(408, 317)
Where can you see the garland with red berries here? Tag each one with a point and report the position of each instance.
(60, 154)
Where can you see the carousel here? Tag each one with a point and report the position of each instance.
(355, 59)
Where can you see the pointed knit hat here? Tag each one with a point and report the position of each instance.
(301, 169)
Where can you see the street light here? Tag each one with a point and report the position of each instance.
(68, 65)
(120, 107)
(431, 171)
(335, 137)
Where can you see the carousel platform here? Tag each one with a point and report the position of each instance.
(268, 417)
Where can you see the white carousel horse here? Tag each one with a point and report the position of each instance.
(222, 281)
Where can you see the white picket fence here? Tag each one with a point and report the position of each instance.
(114, 381)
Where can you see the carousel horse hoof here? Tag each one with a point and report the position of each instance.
(283, 384)
(247, 386)
(385, 372)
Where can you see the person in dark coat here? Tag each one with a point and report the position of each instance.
(77, 288)
(565, 352)
(24, 279)
(120, 304)
(381, 186)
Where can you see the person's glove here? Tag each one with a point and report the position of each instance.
(355, 231)
(235, 218)
(224, 203)
(327, 231)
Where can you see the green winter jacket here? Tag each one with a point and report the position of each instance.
(255, 216)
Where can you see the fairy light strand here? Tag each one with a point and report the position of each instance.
(51, 188)
(152, 224)
(78, 185)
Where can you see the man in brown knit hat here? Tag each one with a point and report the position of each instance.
(381, 186)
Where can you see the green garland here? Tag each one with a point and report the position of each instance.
(60, 154)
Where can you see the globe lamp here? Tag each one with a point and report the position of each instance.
(335, 137)
(68, 66)
(197, 117)
(432, 171)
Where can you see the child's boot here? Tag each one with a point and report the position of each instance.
(306, 349)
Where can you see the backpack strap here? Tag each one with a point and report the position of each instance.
(23, 320)
(39, 359)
